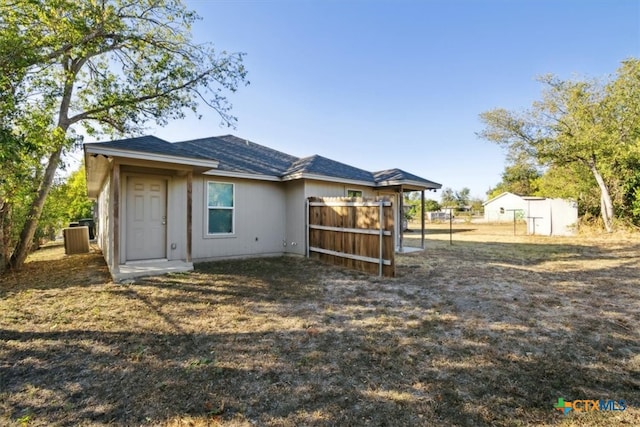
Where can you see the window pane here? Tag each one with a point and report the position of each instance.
(354, 193)
(220, 195)
(220, 221)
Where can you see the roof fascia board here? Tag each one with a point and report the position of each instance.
(328, 179)
(145, 155)
(431, 185)
(245, 175)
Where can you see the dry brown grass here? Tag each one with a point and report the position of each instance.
(488, 331)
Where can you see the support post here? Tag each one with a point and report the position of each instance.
(115, 182)
(189, 214)
(422, 219)
(381, 240)
(450, 226)
(514, 218)
(306, 224)
(401, 221)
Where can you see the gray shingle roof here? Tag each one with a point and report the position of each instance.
(319, 165)
(240, 155)
(151, 144)
(392, 175)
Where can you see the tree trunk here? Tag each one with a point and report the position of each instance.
(4, 212)
(606, 205)
(3, 262)
(29, 229)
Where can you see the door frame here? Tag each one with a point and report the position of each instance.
(124, 184)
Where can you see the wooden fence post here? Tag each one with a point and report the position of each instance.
(381, 227)
(306, 224)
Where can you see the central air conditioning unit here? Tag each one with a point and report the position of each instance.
(76, 240)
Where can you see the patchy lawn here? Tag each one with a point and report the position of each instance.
(491, 330)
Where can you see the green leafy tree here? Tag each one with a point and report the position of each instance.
(623, 129)
(411, 205)
(431, 205)
(78, 205)
(110, 66)
(448, 198)
(631, 196)
(67, 202)
(54, 215)
(455, 199)
(585, 122)
(463, 197)
(12, 146)
(18, 167)
(574, 182)
(414, 201)
(477, 205)
(519, 177)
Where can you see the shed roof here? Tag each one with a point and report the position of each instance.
(507, 193)
(499, 196)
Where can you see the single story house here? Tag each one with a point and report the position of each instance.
(162, 206)
(544, 216)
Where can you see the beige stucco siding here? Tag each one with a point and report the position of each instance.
(333, 189)
(295, 219)
(177, 218)
(259, 220)
(297, 193)
(269, 217)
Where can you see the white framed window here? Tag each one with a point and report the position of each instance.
(220, 208)
(354, 193)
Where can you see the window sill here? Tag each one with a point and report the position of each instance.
(220, 236)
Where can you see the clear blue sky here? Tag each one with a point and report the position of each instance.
(381, 83)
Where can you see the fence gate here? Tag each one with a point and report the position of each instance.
(352, 232)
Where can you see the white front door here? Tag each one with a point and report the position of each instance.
(146, 232)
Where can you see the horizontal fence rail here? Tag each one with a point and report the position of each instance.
(352, 232)
(348, 203)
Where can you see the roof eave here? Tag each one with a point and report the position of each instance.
(96, 169)
(499, 196)
(420, 185)
(318, 177)
(146, 155)
(244, 175)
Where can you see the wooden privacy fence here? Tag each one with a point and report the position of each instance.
(353, 232)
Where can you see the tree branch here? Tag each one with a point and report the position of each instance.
(137, 100)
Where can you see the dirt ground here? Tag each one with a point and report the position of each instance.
(490, 330)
